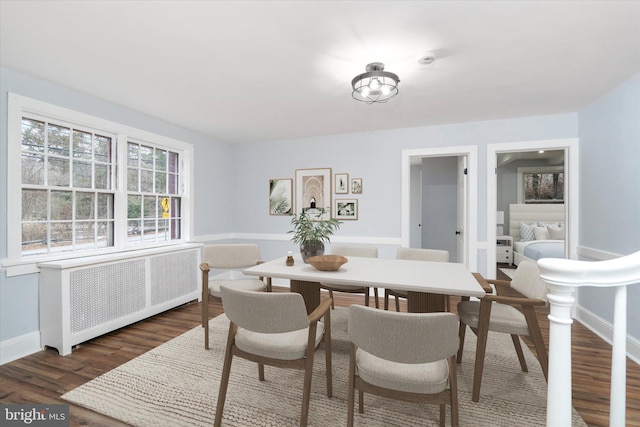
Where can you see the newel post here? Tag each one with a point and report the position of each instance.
(562, 277)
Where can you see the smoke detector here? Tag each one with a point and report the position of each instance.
(427, 59)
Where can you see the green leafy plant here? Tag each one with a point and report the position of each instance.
(307, 228)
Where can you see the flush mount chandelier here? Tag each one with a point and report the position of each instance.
(376, 85)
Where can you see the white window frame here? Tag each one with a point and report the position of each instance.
(18, 106)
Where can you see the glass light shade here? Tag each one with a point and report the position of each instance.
(376, 85)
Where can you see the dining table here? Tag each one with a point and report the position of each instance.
(426, 282)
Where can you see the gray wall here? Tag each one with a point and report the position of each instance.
(610, 189)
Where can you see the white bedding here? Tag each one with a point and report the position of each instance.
(537, 249)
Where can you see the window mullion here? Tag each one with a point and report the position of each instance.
(120, 196)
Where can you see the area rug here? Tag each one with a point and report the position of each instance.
(176, 384)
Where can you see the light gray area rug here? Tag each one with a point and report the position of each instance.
(176, 384)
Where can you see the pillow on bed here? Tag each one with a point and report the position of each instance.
(556, 232)
(540, 233)
(526, 232)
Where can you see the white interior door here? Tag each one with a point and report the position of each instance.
(462, 209)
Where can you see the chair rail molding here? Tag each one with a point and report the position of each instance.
(563, 276)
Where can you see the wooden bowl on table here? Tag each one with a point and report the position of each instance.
(327, 262)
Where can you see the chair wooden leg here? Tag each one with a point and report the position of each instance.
(483, 331)
(333, 306)
(308, 375)
(397, 303)
(453, 388)
(361, 401)
(366, 297)
(205, 317)
(226, 371)
(352, 384)
(260, 371)
(518, 347)
(461, 333)
(327, 350)
(375, 295)
(386, 299)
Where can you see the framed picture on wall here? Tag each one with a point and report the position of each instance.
(281, 196)
(341, 181)
(313, 192)
(356, 186)
(346, 209)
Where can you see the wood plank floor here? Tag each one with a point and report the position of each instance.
(43, 377)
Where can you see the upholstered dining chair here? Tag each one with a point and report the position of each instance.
(403, 356)
(511, 310)
(416, 254)
(274, 329)
(229, 259)
(347, 251)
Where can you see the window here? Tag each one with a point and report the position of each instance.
(153, 201)
(67, 182)
(541, 185)
(89, 186)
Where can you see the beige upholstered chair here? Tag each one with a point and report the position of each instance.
(229, 259)
(403, 356)
(511, 311)
(274, 329)
(356, 251)
(417, 255)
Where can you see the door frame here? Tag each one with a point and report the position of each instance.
(571, 171)
(471, 227)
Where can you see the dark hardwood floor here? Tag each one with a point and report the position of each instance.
(43, 377)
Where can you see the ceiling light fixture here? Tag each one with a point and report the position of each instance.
(376, 85)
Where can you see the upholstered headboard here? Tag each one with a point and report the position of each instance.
(531, 213)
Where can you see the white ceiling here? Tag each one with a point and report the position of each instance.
(257, 71)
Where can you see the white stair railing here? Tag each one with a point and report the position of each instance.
(562, 277)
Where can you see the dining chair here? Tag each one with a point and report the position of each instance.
(511, 310)
(403, 356)
(416, 254)
(356, 251)
(274, 329)
(229, 259)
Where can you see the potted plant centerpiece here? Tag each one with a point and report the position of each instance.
(311, 231)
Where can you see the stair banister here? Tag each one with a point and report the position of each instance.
(562, 277)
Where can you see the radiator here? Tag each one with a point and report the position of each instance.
(84, 298)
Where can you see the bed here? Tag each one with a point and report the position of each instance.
(543, 229)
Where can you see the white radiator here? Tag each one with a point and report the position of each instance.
(83, 298)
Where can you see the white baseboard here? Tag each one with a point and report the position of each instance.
(15, 348)
(604, 330)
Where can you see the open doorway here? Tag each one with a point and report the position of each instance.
(509, 167)
(439, 183)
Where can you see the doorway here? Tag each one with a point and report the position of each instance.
(461, 192)
(568, 148)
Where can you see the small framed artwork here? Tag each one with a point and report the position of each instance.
(313, 192)
(281, 196)
(346, 209)
(356, 185)
(341, 181)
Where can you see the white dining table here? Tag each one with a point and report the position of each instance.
(426, 282)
